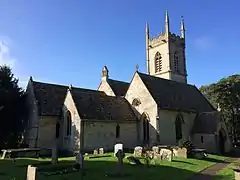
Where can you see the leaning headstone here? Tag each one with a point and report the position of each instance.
(101, 151)
(138, 151)
(54, 155)
(95, 151)
(4, 154)
(118, 147)
(31, 173)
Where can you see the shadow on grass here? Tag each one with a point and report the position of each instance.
(95, 170)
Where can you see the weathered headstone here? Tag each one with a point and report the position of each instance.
(166, 154)
(95, 151)
(118, 147)
(138, 151)
(79, 161)
(155, 150)
(101, 151)
(31, 173)
(4, 154)
(120, 155)
(54, 155)
(182, 152)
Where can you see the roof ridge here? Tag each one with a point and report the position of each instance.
(119, 81)
(52, 84)
(165, 79)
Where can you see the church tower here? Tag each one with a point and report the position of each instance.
(166, 53)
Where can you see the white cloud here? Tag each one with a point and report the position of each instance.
(5, 55)
(204, 43)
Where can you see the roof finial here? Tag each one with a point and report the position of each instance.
(105, 73)
(137, 67)
(182, 28)
(70, 87)
(31, 79)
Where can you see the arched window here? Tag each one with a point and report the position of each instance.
(158, 62)
(117, 131)
(178, 127)
(176, 62)
(69, 123)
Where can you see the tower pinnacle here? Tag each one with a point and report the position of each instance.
(167, 29)
(182, 28)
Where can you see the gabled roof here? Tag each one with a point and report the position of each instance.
(206, 123)
(50, 98)
(119, 87)
(174, 95)
(92, 104)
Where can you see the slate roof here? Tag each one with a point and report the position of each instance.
(119, 87)
(174, 95)
(92, 104)
(50, 98)
(206, 123)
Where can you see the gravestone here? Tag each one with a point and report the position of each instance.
(138, 151)
(182, 152)
(166, 154)
(31, 173)
(101, 151)
(117, 147)
(79, 161)
(155, 150)
(134, 161)
(54, 155)
(4, 154)
(95, 151)
(120, 155)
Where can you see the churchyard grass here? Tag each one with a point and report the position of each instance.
(226, 173)
(105, 167)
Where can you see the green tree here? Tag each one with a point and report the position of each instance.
(226, 94)
(13, 109)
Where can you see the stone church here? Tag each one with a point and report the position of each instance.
(156, 108)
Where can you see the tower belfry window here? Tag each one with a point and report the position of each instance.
(158, 62)
(176, 62)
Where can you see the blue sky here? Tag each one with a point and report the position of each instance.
(68, 42)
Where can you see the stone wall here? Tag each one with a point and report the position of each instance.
(33, 118)
(167, 126)
(205, 141)
(72, 141)
(137, 90)
(103, 134)
(105, 87)
(47, 131)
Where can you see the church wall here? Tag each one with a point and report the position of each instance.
(72, 142)
(33, 118)
(47, 131)
(138, 90)
(99, 134)
(167, 125)
(105, 87)
(209, 142)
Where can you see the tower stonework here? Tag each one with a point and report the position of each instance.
(166, 54)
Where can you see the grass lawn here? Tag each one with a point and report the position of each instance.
(105, 168)
(226, 173)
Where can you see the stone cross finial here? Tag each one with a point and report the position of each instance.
(137, 67)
